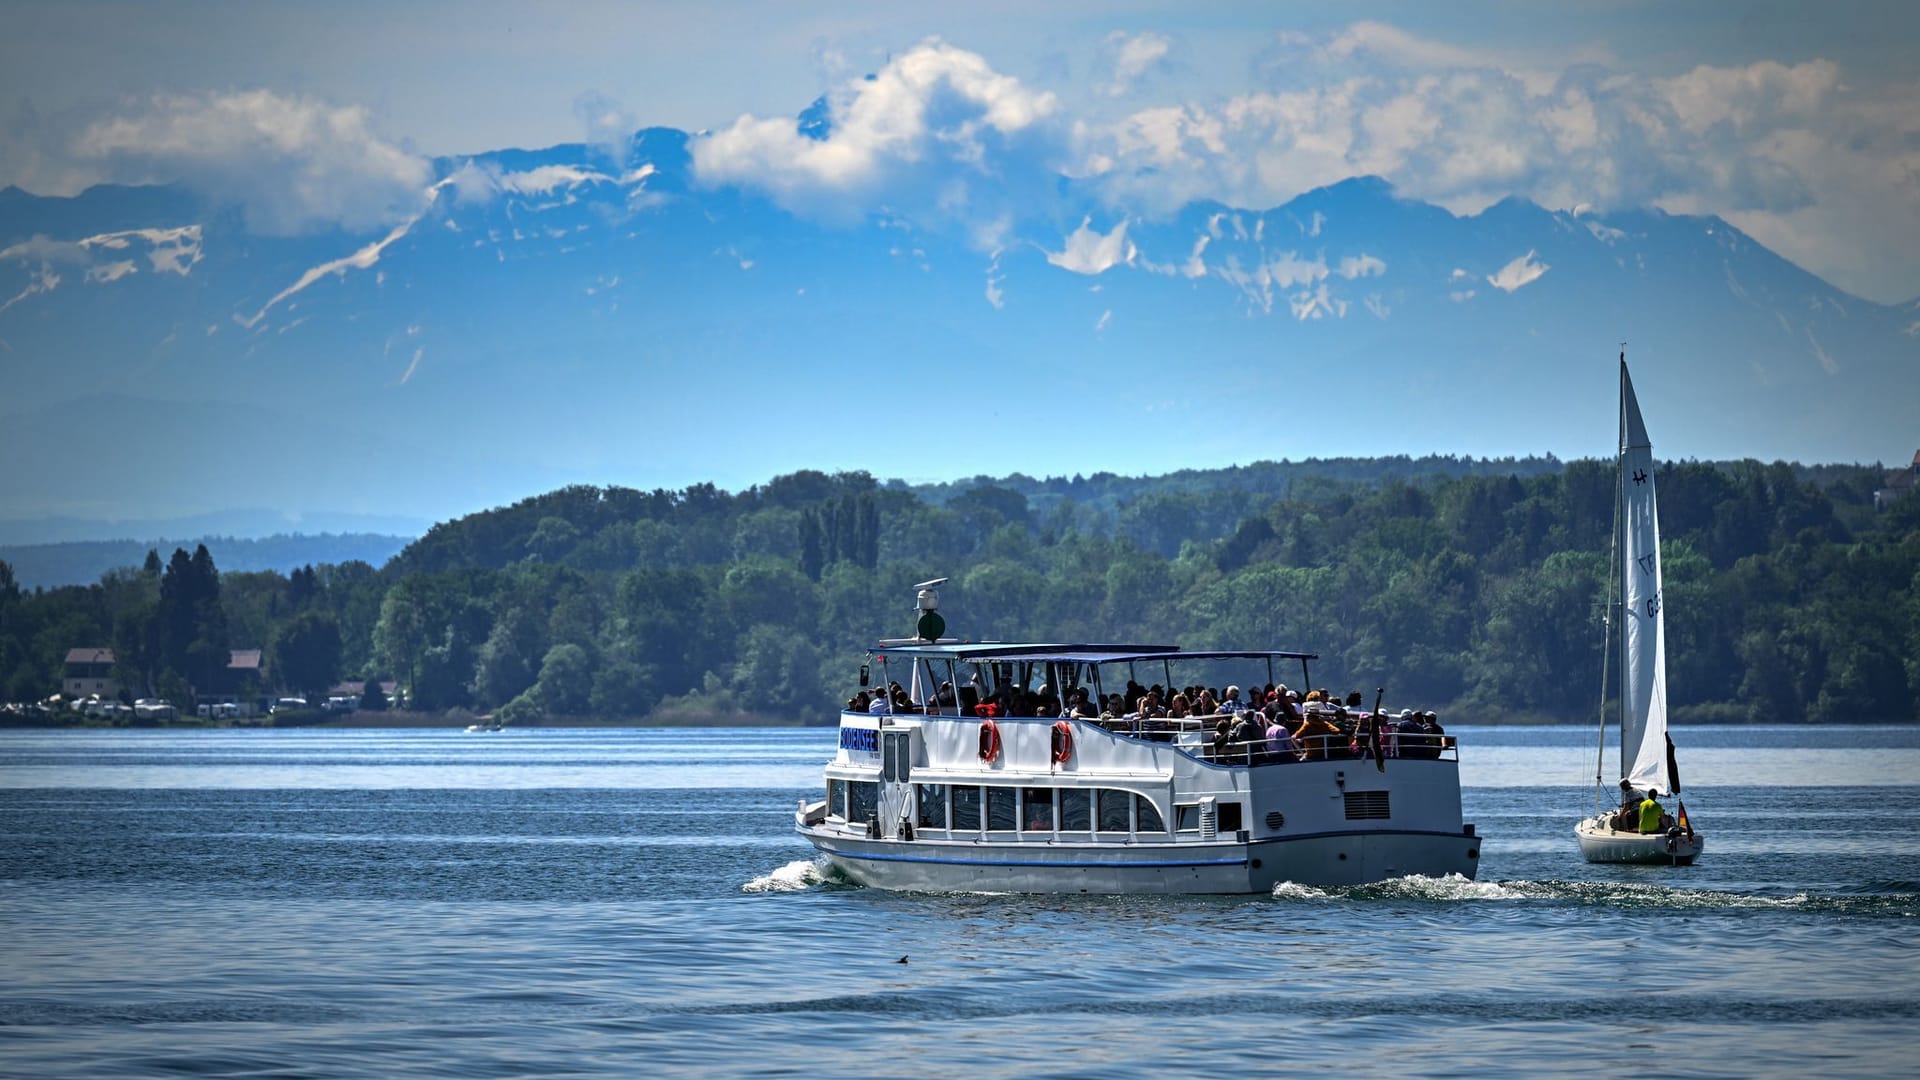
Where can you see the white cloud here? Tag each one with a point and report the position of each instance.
(1089, 251)
(609, 125)
(1791, 152)
(1132, 56)
(41, 248)
(995, 295)
(1521, 271)
(934, 111)
(1106, 317)
(292, 163)
(1761, 96)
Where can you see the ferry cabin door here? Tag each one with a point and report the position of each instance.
(896, 782)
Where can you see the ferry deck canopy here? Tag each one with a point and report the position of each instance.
(995, 652)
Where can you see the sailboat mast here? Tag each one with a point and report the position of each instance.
(1616, 576)
(1609, 616)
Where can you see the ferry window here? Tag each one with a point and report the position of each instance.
(1113, 810)
(1000, 813)
(837, 798)
(862, 797)
(933, 805)
(1229, 817)
(1186, 818)
(1037, 809)
(966, 808)
(1149, 816)
(1074, 811)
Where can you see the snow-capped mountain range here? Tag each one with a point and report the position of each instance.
(585, 314)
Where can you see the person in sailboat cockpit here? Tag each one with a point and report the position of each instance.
(1627, 818)
(1653, 818)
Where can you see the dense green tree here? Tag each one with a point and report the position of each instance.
(813, 551)
(778, 672)
(306, 654)
(504, 666)
(566, 681)
(553, 539)
(623, 689)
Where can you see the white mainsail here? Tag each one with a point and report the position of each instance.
(1643, 639)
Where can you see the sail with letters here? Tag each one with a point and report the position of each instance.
(1643, 638)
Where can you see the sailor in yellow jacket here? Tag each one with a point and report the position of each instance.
(1650, 814)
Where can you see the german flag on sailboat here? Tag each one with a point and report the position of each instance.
(1681, 820)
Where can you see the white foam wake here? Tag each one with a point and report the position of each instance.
(793, 877)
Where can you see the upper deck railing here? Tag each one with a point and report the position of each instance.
(1198, 737)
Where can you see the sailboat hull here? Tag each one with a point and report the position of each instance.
(1599, 843)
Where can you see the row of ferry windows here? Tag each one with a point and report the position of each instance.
(965, 808)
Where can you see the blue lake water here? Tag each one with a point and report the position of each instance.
(634, 902)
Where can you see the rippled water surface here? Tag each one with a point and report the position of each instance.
(375, 903)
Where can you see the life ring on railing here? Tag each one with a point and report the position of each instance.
(1062, 742)
(989, 740)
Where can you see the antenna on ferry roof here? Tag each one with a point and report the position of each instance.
(927, 600)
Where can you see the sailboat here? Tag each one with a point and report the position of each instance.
(1648, 766)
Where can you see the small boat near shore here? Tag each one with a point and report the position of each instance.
(973, 781)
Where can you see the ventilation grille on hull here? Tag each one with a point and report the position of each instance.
(1367, 806)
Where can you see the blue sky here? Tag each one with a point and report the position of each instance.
(1799, 123)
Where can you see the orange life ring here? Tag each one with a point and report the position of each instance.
(1062, 742)
(989, 740)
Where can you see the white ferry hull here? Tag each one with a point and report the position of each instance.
(1213, 868)
(1601, 844)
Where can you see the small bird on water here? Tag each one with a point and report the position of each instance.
(902, 960)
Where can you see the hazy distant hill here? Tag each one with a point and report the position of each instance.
(239, 522)
(82, 563)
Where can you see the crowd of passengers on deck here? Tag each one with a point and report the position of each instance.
(1269, 725)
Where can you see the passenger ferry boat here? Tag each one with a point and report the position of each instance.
(965, 794)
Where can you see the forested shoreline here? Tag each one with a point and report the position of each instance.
(1475, 587)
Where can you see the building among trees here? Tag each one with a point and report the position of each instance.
(1899, 484)
(88, 672)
